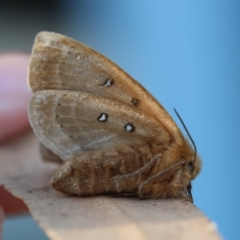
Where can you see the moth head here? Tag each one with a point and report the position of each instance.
(190, 170)
(192, 161)
(174, 180)
(182, 166)
(194, 167)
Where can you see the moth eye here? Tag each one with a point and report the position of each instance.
(129, 127)
(135, 102)
(108, 83)
(190, 166)
(103, 117)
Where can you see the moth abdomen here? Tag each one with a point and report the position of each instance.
(103, 171)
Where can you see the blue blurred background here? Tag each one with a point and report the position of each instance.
(186, 53)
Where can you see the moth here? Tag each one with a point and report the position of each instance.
(109, 133)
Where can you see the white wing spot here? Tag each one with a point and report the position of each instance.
(103, 117)
(109, 82)
(129, 127)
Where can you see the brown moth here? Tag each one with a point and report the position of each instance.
(112, 136)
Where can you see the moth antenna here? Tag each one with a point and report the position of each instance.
(195, 148)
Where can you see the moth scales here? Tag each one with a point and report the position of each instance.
(111, 135)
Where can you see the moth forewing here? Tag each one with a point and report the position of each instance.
(59, 62)
(113, 134)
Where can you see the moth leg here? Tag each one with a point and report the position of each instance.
(157, 178)
(48, 155)
(138, 173)
(131, 180)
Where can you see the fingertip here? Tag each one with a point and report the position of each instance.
(14, 93)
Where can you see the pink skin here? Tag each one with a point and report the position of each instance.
(14, 97)
(14, 94)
